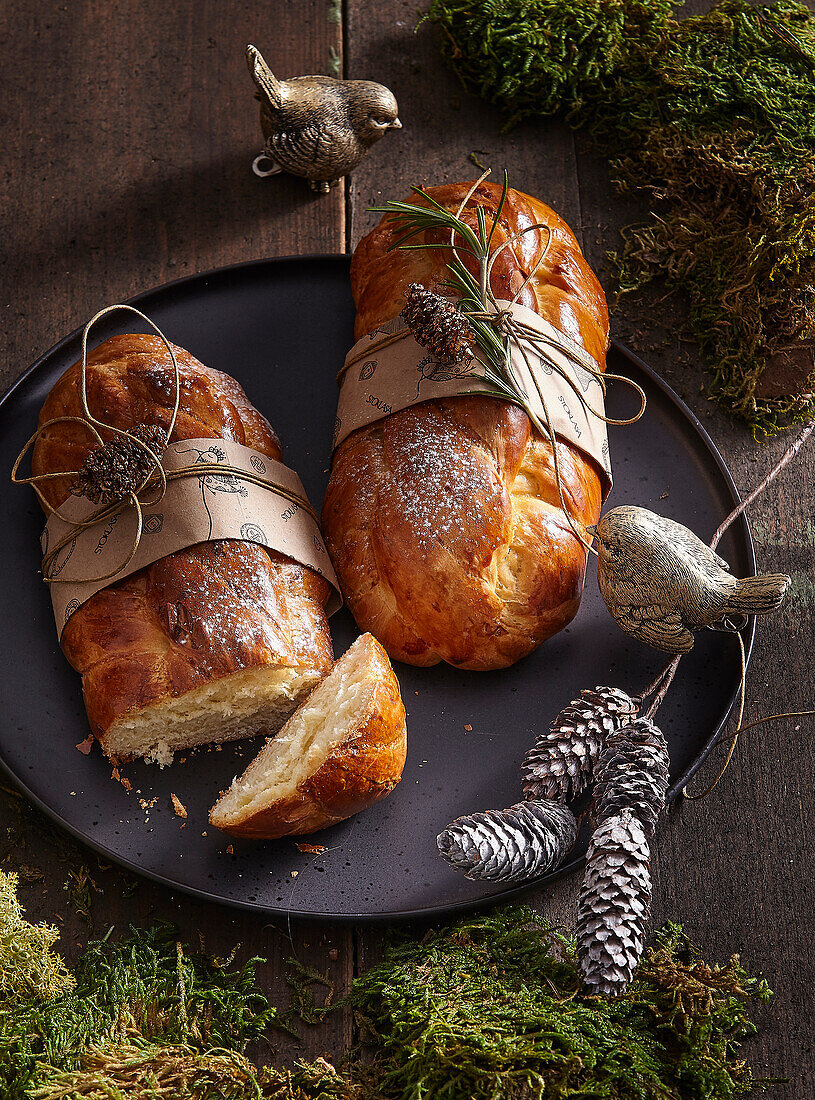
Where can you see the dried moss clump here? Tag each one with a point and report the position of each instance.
(29, 969)
(712, 119)
(143, 1013)
(492, 1009)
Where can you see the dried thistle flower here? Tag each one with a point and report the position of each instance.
(437, 325)
(119, 467)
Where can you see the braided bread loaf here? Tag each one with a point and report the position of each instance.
(217, 641)
(443, 520)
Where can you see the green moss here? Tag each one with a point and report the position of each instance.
(489, 1008)
(145, 991)
(29, 969)
(712, 120)
(492, 1009)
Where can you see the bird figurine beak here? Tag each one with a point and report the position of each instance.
(395, 125)
(591, 530)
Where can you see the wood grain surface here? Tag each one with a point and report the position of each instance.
(128, 134)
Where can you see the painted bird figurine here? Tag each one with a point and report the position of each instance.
(661, 583)
(317, 127)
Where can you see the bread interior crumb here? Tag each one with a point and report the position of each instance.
(336, 708)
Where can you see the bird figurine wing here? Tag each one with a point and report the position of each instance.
(308, 147)
(657, 627)
(686, 541)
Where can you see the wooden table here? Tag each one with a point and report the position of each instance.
(129, 130)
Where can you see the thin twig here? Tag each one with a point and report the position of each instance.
(787, 457)
(665, 678)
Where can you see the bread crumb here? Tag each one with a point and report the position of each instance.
(178, 805)
(468, 728)
(314, 849)
(128, 786)
(86, 745)
(294, 874)
(333, 954)
(230, 850)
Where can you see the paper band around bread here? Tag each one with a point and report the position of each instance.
(387, 370)
(266, 504)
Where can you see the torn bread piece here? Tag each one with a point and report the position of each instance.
(342, 750)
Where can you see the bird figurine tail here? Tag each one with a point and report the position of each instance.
(265, 80)
(758, 595)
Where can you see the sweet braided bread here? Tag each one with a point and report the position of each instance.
(444, 520)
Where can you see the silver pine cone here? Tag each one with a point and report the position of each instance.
(509, 845)
(614, 904)
(560, 763)
(632, 773)
(437, 325)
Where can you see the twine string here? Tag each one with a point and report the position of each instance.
(734, 739)
(501, 319)
(157, 477)
(524, 337)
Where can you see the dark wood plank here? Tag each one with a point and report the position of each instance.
(733, 868)
(129, 135)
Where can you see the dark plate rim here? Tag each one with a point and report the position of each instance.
(455, 908)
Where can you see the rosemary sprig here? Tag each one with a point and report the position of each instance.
(473, 298)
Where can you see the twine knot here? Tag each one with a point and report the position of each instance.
(120, 467)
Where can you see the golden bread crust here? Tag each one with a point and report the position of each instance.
(360, 770)
(443, 520)
(207, 611)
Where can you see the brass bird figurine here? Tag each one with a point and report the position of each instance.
(661, 583)
(318, 127)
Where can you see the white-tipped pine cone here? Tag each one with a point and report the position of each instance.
(614, 905)
(560, 764)
(632, 773)
(509, 845)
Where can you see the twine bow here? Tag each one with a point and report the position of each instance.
(143, 447)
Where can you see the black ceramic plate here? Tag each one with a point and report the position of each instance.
(281, 327)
